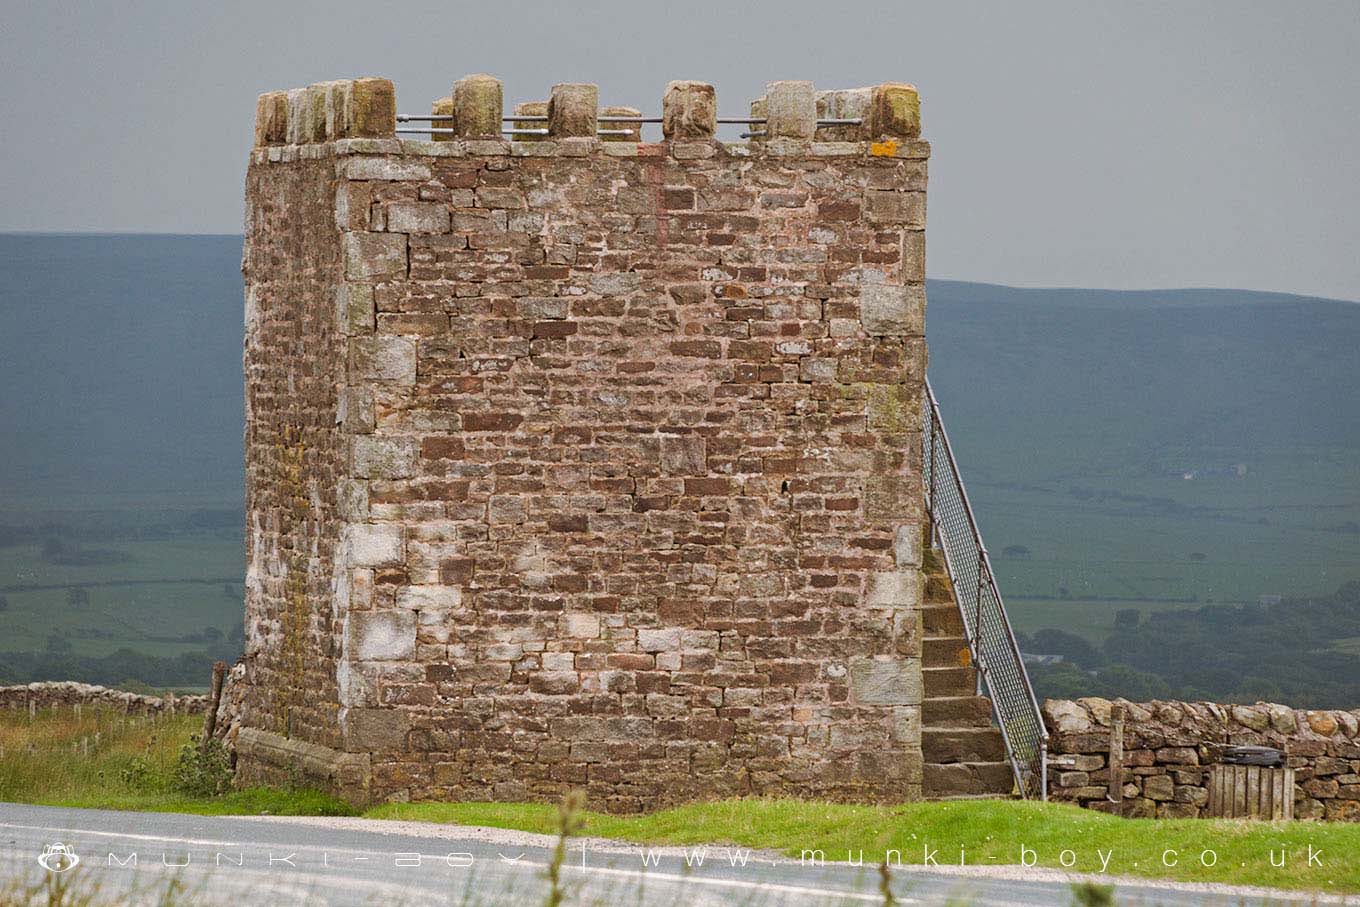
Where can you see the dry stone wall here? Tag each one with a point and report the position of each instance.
(1168, 746)
(66, 694)
(582, 463)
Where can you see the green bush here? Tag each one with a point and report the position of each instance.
(204, 772)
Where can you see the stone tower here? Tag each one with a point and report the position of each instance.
(579, 461)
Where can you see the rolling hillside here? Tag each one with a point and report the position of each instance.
(1125, 450)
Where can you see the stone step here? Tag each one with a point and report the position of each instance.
(948, 682)
(954, 744)
(934, 594)
(942, 620)
(945, 652)
(957, 711)
(967, 780)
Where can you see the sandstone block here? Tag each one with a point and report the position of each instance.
(271, 118)
(371, 110)
(841, 104)
(430, 598)
(790, 110)
(381, 635)
(386, 169)
(658, 640)
(385, 458)
(892, 310)
(633, 131)
(376, 730)
(885, 680)
(689, 112)
(683, 455)
(894, 112)
(572, 110)
(894, 589)
(374, 544)
(385, 359)
(478, 105)
(442, 107)
(374, 255)
(1159, 787)
(417, 217)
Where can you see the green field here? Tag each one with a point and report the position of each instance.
(1184, 543)
(165, 589)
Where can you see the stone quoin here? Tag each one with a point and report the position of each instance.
(581, 461)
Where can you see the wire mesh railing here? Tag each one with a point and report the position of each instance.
(1001, 672)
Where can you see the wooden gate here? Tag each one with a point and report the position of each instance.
(1250, 792)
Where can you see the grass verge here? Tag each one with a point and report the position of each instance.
(989, 833)
(106, 760)
(102, 759)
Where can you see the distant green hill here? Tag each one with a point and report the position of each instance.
(1147, 450)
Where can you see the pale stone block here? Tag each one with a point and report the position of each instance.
(907, 545)
(375, 255)
(385, 458)
(417, 217)
(790, 110)
(383, 168)
(572, 110)
(658, 640)
(352, 500)
(892, 208)
(558, 661)
(371, 109)
(894, 589)
(689, 111)
(374, 545)
(841, 104)
(580, 626)
(376, 730)
(892, 309)
(355, 309)
(914, 256)
(886, 680)
(618, 283)
(430, 598)
(381, 635)
(388, 359)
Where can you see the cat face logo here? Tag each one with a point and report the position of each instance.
(58, 858)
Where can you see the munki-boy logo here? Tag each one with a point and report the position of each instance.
(58, 858)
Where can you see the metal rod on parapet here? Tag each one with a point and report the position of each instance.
(851, 121)
(425, 131)
(638, 119)
(421, 118)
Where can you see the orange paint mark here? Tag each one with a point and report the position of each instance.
(883, 149)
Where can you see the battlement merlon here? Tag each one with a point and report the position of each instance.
(580, 461)
(886, 115)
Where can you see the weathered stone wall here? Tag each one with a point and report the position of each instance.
(66, 694)
(587, 464)
(1168, 747)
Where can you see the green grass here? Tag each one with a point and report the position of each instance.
(56, 759)
(124, 616)
(990, 832)
(103, 759)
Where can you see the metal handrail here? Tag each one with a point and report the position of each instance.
(991, 641)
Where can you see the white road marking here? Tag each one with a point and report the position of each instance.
(631, 874)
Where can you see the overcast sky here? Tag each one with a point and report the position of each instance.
(1081, 144)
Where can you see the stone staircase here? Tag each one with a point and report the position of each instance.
(965, 755)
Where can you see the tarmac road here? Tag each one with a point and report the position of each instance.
(262, 861)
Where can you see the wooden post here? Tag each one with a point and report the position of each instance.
(214, 699)
(1116, 760)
